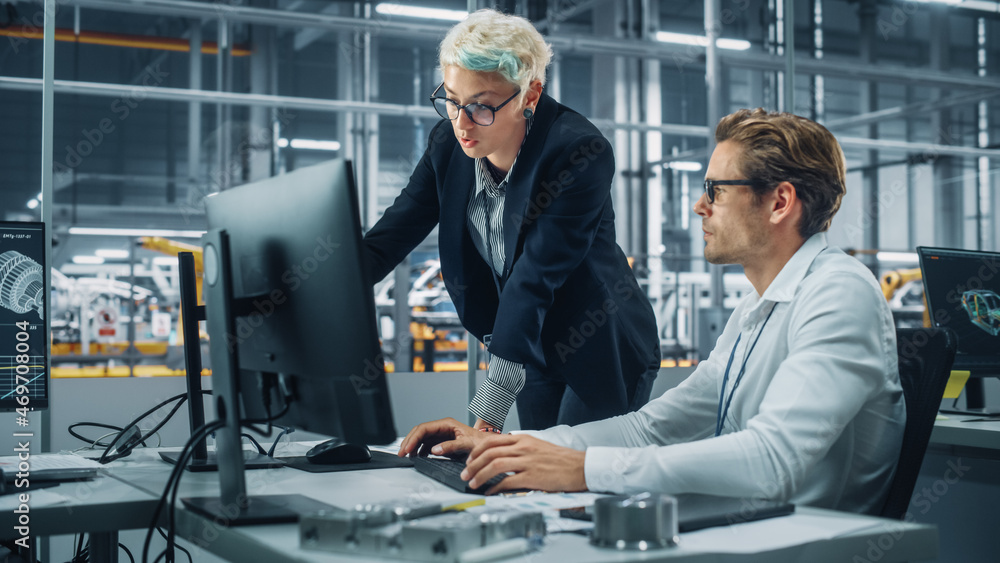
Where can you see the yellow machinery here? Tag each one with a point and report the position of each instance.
(894, 280)
(172, 248)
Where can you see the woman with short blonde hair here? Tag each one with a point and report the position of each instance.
(520, 188)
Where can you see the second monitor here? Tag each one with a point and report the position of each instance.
(291, 317)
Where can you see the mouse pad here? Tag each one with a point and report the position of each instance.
(379, 460)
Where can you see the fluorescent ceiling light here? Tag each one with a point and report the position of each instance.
(88, 260)
(391, 9)
(165, 260)
(111, 253)
(134, 232)
(32, 204)
(978, 5)
(701, 41)
(310, 144)
(683, 166)
(897, 257)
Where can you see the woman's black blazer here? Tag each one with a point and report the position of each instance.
(570, 305)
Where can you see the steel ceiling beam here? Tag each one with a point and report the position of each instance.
(907, 111)
(341, 106)
(679, 54)
(860, 71)
(264, 16)
(287, 102)
(561, 14)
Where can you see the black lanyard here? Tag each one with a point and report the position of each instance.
(720, 422)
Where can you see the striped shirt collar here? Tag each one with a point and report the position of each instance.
(484, 180)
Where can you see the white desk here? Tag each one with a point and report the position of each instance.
(977, 434)
(100, 507)
(958, 488)
(126, 496)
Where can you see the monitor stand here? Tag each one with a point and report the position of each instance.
(233, 507)
(264, 509)
(210, 461)
(975, 404)
(192, 314)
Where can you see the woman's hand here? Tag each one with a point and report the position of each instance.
(440, 437)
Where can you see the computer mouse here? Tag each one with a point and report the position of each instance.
(332, 452)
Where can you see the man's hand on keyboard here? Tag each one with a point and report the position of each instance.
(440, 437)
(536, 464)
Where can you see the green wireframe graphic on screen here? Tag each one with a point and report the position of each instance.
(983, 307)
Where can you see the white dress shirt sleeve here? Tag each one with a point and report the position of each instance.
(837, 359)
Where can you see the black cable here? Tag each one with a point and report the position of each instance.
(266, 385)
(185, 454)
(182, 461)
(142, 439)
(79, 547)
(96, 442)
(127, 552)
(186, 552)
(135, 422)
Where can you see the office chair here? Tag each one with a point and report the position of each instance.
(925, 358)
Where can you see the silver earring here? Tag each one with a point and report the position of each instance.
(528, 113)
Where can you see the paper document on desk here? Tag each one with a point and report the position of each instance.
(535, 501)
(549, 504)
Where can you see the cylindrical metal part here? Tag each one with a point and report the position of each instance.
(640, 522)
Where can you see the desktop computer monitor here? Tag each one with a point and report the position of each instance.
(962, 288)
(291, 313)
(24, 383)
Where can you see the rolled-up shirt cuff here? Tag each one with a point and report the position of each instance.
(495, 396)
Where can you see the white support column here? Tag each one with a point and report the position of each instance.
(369, 185)
(984, 203)
(654, 153)
(48, 121)
(194, 117)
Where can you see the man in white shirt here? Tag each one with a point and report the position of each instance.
(799, 401)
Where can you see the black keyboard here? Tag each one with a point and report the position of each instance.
(447, 471)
